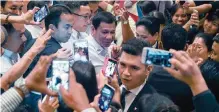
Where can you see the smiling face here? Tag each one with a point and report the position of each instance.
(142, 32)
(13, 6)
(211, 27)
(132, 72)
(180, 17)
(82, 20)
(104, 34)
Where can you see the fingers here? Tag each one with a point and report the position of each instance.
(47, 35)
(35, 9)
(64, 93)
(50, 92)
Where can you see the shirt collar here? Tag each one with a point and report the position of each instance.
(100, 50)
(8, 53)
(136, 90)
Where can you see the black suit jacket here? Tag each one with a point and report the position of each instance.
(52, 47)
(147, 89)
(176, 90)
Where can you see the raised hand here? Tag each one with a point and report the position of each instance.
(36, 80)
(49, 104)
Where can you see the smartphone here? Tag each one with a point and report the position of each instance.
(151, 56)
(60, 74)
(106, 97)
(118, 18)
(41, 14)
(109, 67)
(81, 50)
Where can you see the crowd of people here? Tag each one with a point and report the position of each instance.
(189, 30)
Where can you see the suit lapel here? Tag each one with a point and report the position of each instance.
(147, 89)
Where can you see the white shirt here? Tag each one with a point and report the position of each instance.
(131, 96)
(7, 60)
(74, 37)
(97, 53)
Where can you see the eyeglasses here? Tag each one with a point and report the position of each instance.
(85, 17)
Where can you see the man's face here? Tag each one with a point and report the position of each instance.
(132, 72)
(64, 30)
(211, 27)
(142, 32)
(104, 34)
(215, 51)
(82, 20)
(13, 6)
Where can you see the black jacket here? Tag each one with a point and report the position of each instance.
(176, 90)
(147, 89)
(52, 47)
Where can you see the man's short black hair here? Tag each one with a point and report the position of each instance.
(33, 4)
(3, 3)
(55, 13)
(216, 38)
(174, 36)
(150, 23)
(103, 16)
(135, 46)
(208, 40)
(146, 6)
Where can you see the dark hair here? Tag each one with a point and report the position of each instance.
(210, 69)
(208, 40)
(85, 75)
(156, 103)
(103, 16)
(9, 28)
(174, 36)
(135, 46)
(33, 4)
(158, 15)
(174, 9)
(216, 38)
(146, 6)
(213, 15)
(150, 23)
(3, 3)
(55, 13)
(73, 5)
(5, 34)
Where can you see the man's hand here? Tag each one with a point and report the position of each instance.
(76, 97)
(41, 41)
(187, 71)
(193, 52)
(36, 80)
(115, 52)
(49, 105)
(63, 53)
(27, 18)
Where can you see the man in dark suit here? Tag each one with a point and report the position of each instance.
(60, 21)
(173, 37)
(133, 74)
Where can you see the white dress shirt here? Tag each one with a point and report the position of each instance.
(97, 53)
(34, 30)
(131, 96)
(74, 37)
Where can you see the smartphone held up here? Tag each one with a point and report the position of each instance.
(151, 56)
(41, 14)
(109, 67)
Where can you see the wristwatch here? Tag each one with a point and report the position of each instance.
(125, 22)
(20, 83)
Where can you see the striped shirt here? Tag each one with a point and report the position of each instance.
(10, 100)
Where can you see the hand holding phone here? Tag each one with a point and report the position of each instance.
(41, 14)
(60, 71)
(151, 56)
(106, 97)
(109, 67)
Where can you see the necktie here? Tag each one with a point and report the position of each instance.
(124, 93)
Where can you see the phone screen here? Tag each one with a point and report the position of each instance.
(41, 14)
(110, 66)
(158, 57)
(106, 97)
(60, 70)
